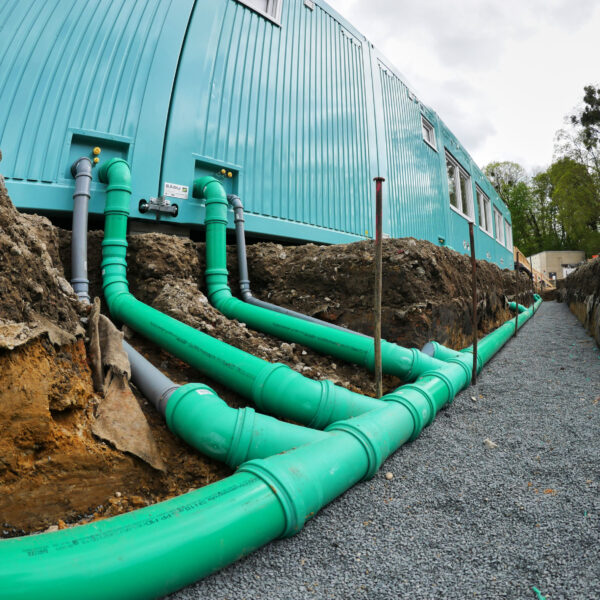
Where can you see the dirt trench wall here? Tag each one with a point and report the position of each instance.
(52, 468)
(581, 291)
(426, 288)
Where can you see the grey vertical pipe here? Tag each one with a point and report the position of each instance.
(82, 172)
(155, 386)
(240, 236)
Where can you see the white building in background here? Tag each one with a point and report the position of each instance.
(557, 264)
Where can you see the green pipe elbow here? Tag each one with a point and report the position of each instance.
(196, 414)
(513, 305)
(406, 364)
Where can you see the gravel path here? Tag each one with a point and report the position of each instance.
(461, 520)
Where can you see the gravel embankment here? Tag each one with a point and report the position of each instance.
(459, 519)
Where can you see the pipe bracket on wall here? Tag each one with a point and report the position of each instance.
(158, 205)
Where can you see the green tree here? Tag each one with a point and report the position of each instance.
(588, 119)
(575, 197)
(511, 182)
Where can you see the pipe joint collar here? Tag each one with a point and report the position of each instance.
(460, 361)
(290, 499)
(242, 437)
(373, 453)
(452, 391)
(417, 417)
(258, 387)
(479, 359)
(432, 406)
(322, 416)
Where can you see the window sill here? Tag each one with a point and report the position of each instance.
(462, 214)
(487, 232)
(430, 145)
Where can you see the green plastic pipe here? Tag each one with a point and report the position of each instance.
(274, 387)
(490, 344)
(153, 551)
(195, 413)
(512, 306)
(156, 550)
(346, 345)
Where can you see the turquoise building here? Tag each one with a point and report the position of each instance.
(285, 100)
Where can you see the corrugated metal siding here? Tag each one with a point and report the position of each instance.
(288, 105)
(304, 115)
(415, 186)
(71, 65)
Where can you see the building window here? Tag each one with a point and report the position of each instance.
(499, 225)
(459, 186)
(428, 132)
(267, 8)
(509, 240)
(485, 212)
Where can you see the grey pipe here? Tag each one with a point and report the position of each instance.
(82, 172)
(240, 236)
(155, 386)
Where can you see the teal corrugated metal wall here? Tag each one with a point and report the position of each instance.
(415, 188)
(298, 94)
(74, 74)
(302, 114)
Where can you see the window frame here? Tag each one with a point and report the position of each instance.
(508, 235)
(487, 206)
(458, 171)
(499, 220)
(273, 12)
(427, 125)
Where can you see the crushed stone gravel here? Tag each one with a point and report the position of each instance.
(461, 518)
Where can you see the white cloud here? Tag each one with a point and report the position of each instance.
(502, 74)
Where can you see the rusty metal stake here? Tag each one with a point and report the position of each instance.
(378, 277)
(532, 292)
(474, 284)
(517, 299)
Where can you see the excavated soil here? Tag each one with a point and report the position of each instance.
(54, 471)
(581, 291)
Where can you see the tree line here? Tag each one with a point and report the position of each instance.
(559, 208)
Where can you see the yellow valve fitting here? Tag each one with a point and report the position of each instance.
(223, 171)
(96, 160)
(229, 174)
(96, 151)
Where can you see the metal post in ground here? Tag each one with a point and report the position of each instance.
(474, 286)
(516, 298)
(378, 277)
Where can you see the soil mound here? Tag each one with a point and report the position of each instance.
(52, 467)
(32, 283)
(581, 291)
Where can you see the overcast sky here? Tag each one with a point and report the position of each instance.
(502, 74)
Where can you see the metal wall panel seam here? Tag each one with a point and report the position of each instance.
(49, 160)
(137, 53)
(103, 66)
(44, 72)
(106, 105)
(15, 82)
